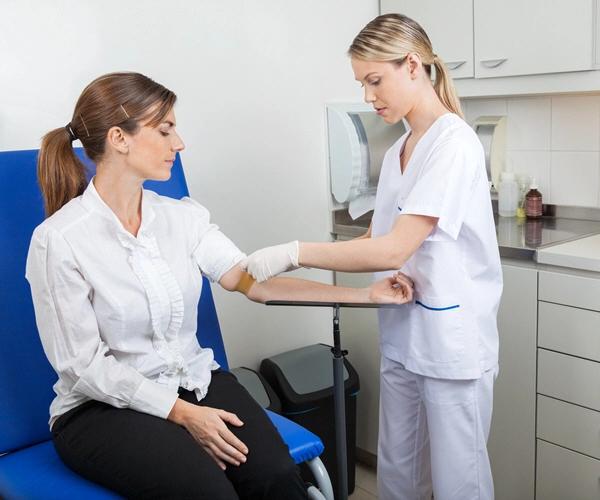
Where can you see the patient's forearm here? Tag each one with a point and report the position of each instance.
(303, 290)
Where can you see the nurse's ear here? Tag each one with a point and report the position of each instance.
(118, 140)
(414, 65)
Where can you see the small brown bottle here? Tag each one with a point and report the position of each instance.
(533, 202)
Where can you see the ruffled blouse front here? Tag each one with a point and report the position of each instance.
(117, 314)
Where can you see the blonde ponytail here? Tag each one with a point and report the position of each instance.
(444, 87)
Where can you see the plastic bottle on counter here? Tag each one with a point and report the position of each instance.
(523, 181)
(508, 195)
(533, 201)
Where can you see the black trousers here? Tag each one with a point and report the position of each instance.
(145, 457)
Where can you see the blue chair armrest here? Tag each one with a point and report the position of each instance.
(303, 444)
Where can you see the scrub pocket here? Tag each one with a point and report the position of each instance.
(436, 328)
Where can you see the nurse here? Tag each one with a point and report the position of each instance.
(433, 220)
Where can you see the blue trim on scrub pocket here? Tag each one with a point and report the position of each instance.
(436, 308)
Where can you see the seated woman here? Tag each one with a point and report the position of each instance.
(116, 275)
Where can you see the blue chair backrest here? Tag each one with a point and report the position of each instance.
(26, 377)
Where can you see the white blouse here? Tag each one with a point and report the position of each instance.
(117, 315)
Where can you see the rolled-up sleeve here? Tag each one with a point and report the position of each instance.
(215, 253)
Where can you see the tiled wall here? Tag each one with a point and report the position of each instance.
(556, 139)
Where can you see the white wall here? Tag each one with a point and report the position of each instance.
(555, 139)
(252, 78)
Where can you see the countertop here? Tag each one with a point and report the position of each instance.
(583, 253)
(565, 236)
(527, 238)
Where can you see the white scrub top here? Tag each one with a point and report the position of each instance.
(449, 330)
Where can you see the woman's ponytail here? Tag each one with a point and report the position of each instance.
(62, 176)
(122, 100)
(444, 87)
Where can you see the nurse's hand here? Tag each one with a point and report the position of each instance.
(208, 427)
(397, 289)
(402, 278)
(268, 262)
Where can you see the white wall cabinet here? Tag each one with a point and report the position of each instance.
(511, 444)
(563, 474)
(544, 437)
(517, 37)
(543, 47)
(568, 413)
(449, 25)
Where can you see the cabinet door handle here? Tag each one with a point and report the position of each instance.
(455, 64)
(492, 63)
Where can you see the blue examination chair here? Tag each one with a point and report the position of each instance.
(30, 469)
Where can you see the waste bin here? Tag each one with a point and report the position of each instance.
(303, 381)
(258, 388)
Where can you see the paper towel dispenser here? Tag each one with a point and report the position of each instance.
(491, 131)
(358, 141)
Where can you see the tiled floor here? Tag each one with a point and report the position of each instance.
(366, 483)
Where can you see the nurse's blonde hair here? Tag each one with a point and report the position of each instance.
(390, 38)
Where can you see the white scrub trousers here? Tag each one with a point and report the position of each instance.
(433, 435)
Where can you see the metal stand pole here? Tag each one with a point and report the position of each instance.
(339, 406)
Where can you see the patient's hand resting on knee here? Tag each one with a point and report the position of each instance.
(207, 426)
